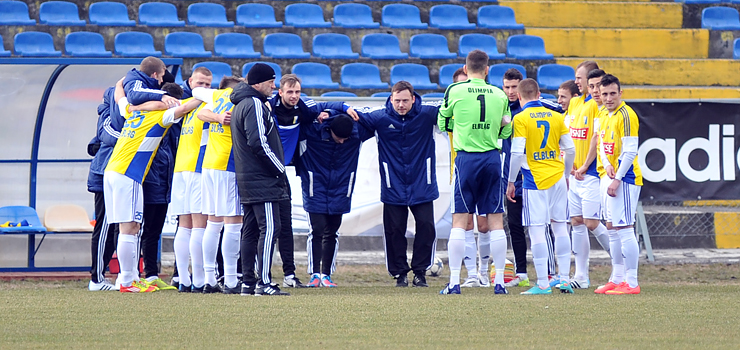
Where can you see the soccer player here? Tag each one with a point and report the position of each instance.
(623, 181)
(567, 91)
(539, 136)
(142, 85)
(127, 168)
(481, 118)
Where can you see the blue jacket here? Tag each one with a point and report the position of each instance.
(406, 151)
(515, 108)
(328, 169)
(141, 88)
(110, 123)
(187, 92)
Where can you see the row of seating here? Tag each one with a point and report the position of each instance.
(279, 45)
(720, 18)
(160, 14)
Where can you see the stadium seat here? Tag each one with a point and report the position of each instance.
(381, 94)
(135, 44)
(550, 76)
(159, 14)
(60, 13)
(483, 42)
(720, 18)
(700, 2)
(497, 17)
(34, 44)
(736, 49)
(338, 94)
(314, 75)
(107, 13)
(15, 13)
(67, 218)
(449, 17)
(234, 45)
(218, 69)
(275, 67)
(416, 74)
(526, 47)
(402, 16)
(208, 15)
(18, 214)
(185, 44)
(256, 16)
(305, 16)
(85, 44)
(284, 45)
(434, 95)
(432, 46)
(333, 46)
(549, 97)
(496, 73)
(382, 46)
(354, 16)
(362, 76)
(446, 72)
(178, 77)
(3, 51)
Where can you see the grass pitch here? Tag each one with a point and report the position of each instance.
(682, 306)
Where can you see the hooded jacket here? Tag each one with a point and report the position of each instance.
(110, 123)
(141, 88)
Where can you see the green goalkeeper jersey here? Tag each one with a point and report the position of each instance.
(478, 109)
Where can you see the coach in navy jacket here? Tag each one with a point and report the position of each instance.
(405, 134)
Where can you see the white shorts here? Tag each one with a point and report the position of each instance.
(124, 198)
(540, 207)
(584, 198)
(621, 209)
(186, 193)
(220, 193)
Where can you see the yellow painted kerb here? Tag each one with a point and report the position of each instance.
(727, 229)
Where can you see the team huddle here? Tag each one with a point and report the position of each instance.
(546, 164)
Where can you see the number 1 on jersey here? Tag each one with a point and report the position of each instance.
(546, 125)
(482, 100)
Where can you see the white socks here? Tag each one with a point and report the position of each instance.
(615, 247)
(196, 256)
(471, 254)
(230, 251)
(182, 254)
(631, 253)
(498, 253)
(210, 249)
(602, 236)
(456, 253)
(581, 250)
(562, 249)
(126, 252)
(537, 236)
(484, 251)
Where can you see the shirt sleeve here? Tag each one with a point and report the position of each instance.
(169, 117)
(123, 106)
(203, 94)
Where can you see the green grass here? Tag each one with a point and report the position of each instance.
(682, 306)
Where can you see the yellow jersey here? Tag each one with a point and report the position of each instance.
(582, 121)
(542, 129)
(219, 153)
(192, 145)
(622, 123)
(139, 141)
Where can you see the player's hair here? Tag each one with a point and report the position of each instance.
(513, 74)
(596, 73)
(458, 72)
(203, 70)
(528, 89)
(589, 65)
(151, 65)
(477, 61)
(289, 80)
(403, 85)
(173, 90)
(571, 86)
(229, 82)
(609, 80)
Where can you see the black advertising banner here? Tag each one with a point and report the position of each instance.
(689, 150)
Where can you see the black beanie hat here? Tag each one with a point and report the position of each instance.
(260, 73)
(342, 126)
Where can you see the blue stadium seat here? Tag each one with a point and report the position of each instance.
(314, 75)
(382, 46)
(135, 44)
(305, 16)
(218, 69)
(354, 16)
(159, 14)
(449, 17)
(550, 76)
(434, 95)
(275, 67)
(526, 47)
(402, 16)
(234, 45)
(381, 94)
(446, 72)
(416, 74)
(60, 13)
(284, 45)
(34, 44)
(208, 15)
(496, 73)
(185, 44)
(256, 16)
(178, 77)
(700, 2)
(362, 76)
(3, 51)
(497, 17)
(17, 214)
(483, 42)
(720, 18)
(85, 44)
(338, 94)
(15, 13)
(432, 46)
(107, 13)
(736, 49)
(549, 97)
(333, 46)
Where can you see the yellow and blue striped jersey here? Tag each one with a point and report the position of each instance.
(622, 123)
(192, 145)
(219, 152)
(139, 141)
(542, 129)
(582, 120)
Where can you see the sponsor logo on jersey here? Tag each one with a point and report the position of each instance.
(579, 133)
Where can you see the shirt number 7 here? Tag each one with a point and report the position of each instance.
(546, 125)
